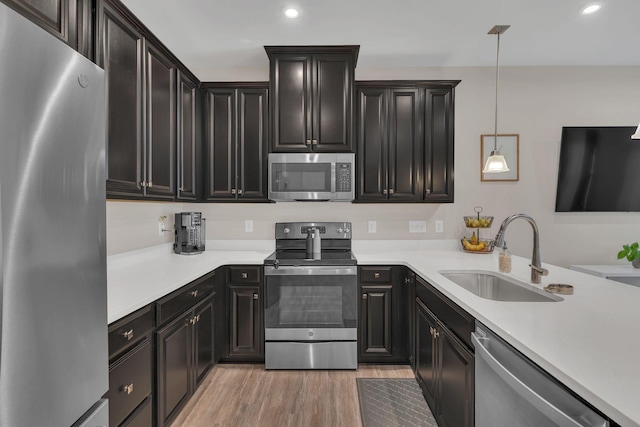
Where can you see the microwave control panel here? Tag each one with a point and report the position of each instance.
(343, 177)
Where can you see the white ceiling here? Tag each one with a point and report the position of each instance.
(397, 33)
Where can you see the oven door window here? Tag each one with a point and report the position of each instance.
(311, 301)
(301, 177)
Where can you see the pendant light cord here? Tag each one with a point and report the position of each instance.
(495, 133)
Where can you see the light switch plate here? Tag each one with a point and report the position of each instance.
(248, 226)
(439, 226)
(371, 227)
(417, 226)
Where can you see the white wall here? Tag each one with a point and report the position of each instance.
(535, 102)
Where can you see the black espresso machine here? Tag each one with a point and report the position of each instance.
(189, 233)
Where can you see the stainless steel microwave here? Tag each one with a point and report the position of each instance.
(311, 176)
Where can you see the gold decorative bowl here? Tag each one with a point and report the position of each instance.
(478, 222)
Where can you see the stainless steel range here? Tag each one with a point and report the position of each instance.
(311, 298)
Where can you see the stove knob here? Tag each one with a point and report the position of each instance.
(286, 230)
(339, 230)
(346, 230)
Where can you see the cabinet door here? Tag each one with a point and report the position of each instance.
(372, 144)
(160, 124)
(404, 144)
(252, 143)
(438, 147)
(187, 114)
(375, 321)
(120, 53)
(291, 98)
(203, 332)
(246, 324)
(173, 346)
(221, 145)
(456, 401)
(426, 354)
(332, 103)
(56, 16)
(410, 282)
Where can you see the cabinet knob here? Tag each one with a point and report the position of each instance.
(233, 191)
(384, 191)
(197, 318)
(314, 142)
(308, 142)
(364, 296)
(376, 275)
(182, 189)
(391, 191)
(255, 296)
(127, 388)
(143, 184)
(427, 191)
(194, 293)
(128, 334)
(407, 280)
(240, 192)
(245, 275)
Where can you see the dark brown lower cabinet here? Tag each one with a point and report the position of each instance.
(184, 350)
(444, 369)
(382, 315)
(142, 417)
(245, 326)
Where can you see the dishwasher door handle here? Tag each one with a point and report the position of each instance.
(517, 385)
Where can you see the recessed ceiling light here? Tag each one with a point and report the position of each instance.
(291, 13)
(591, 8)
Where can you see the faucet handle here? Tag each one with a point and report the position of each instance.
(542, 271)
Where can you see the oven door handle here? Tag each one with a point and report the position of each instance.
(321, 270)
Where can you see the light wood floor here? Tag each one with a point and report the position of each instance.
(247, 395)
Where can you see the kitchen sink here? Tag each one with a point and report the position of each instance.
(498, 287)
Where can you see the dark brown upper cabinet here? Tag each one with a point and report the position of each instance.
(312, 97)
(69, 20)
(188, 135)
(405, 141)
(142, 108)
(236, 122)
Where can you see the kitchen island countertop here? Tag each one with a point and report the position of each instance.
(589, 341)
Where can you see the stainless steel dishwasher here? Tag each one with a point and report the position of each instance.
(511, 391)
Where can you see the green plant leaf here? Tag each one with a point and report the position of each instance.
(626, 248)
(622, 254)
(634, 246)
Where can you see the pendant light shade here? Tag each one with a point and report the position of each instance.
(496, 162)
(637, 134)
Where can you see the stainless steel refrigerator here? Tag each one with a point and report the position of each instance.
(53, 314)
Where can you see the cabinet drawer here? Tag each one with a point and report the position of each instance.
(129, 382)
(244, 274)
(183, 299)
(375, 274)
(452, 316)
(127, 332)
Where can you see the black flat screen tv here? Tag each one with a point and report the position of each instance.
(599, 170)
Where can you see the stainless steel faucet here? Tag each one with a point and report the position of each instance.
(536, 265)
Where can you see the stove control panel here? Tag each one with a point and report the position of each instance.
(299, 230)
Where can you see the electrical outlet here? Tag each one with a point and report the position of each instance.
(248, 226)
(417, 226)
(160, 228)
(372, 226)
(439, 226)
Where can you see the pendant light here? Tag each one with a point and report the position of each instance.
(637, 134)
(496, 162)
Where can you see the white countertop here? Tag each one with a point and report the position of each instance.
(589, 341)
(608, 270)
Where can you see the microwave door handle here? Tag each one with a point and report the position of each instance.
(333, 177)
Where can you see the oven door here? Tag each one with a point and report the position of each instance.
(317, 303)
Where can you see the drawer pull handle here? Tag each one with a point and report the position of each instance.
(245, 275)
(128, 388)
(255, 296)
(128, 334)
(194, 293)
(376, 275)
